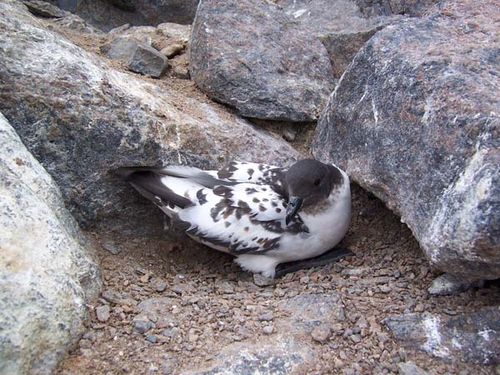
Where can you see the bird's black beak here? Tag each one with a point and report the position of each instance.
(294, 204)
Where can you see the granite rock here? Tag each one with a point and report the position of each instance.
(341, 26)
(47, 269)
(44, 9)
(82, 119)
(280, 358)
(148, 61)
(448, 284)
(410, 368)
(108, 14)
(120, 48)
(414, 121)
(413, 8)
(321, 17)
(251, 56)
(471, 337)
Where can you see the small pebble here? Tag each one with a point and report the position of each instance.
(419, 307)
(140, 271)
(348, 332)
(159, 285)
(268, 330)
(111, 296)
(290, 133)
(262, 281)
(321, 333)
(337, 328)
(142, 326)
(226, 287)
(181, 72)
(356, 338)
(102, 313)
(266, 317)
(193, 337)
(410, 368)
(111, 247)
(178, 288)
(304, 280)
(385, 288)
(337, 363)
(278, 292)
(151, 338)
(172, 50)
(354, 271)
(170, 332)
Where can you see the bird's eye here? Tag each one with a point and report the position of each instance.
(317, 182)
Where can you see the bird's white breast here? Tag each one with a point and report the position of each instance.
(326, 227)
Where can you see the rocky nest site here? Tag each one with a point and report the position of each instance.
(401, 94)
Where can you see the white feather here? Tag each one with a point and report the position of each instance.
(240, 171)
(237, 230)
(182, 186)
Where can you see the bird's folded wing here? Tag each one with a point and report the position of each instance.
(248, 172)
(241, 218)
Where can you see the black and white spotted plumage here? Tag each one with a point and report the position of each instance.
(242, 209)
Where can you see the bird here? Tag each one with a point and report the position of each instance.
(263, 215)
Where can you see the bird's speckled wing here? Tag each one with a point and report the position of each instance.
(257, 173)
(234, 172)
(242, 218)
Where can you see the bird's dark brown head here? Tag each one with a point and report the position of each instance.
(308, 182)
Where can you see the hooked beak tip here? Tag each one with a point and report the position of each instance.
(294, 204)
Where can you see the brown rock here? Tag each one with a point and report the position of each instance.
(173, 50)
(321, 333)
(103, 313)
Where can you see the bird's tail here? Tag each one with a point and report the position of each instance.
(158, 186)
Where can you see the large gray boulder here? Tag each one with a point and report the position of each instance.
(82, 118)
(415, 121)
(252, 56)
(47, 274)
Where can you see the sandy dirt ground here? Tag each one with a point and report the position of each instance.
(176, 307)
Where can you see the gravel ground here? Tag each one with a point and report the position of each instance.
(176, 307)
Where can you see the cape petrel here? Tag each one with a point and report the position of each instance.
(262, 214)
